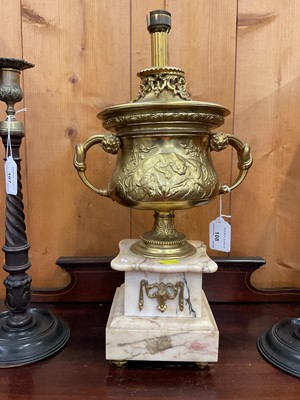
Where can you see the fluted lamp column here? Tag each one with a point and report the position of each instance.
(26, 334)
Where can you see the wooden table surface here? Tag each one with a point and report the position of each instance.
(80, 370)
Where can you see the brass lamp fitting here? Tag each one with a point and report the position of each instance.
(163, 139)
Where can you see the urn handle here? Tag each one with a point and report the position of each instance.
(219, 141)
(109, 143)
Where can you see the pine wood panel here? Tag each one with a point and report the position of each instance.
(10, 46)
(204, 46)
(87, 54)
(266, 212)
(81, 52)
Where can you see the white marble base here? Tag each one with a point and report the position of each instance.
(199, 262)
(185, 271)
(160, 338)
(192, 288)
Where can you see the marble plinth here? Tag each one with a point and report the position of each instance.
(199, 262)
(161, 313)
(191, 294)
(160, 338)
(185, 272)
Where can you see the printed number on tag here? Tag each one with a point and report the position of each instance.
(11, 176)
(220, 235)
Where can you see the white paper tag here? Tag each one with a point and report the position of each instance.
(11, 176)
(220, 235)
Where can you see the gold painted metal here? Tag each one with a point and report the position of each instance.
(119, 363)
(109, 143)
(159, 47)
(161, 292)
(201, 365)
(11, 92)
(163, 140)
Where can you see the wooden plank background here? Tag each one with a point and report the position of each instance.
(242, 54)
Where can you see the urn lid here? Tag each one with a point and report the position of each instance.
(162, 100)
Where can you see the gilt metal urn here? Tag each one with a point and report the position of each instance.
(163, 140)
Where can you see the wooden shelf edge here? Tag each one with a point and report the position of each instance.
(93, 280)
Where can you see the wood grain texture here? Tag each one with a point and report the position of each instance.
(81, 51)
(266, 210)
(231, 283)
(87, 54)
(203, 44)
(10, 46)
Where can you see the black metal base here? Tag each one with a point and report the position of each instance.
(43, 337)
(280, 345)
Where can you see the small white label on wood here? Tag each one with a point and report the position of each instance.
(11, 176)
(220, 235)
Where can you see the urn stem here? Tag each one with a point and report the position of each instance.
(163, 241)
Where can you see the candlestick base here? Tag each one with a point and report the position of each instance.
(280, 345)
(43, 337)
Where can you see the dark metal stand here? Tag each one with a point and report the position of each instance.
(26, 334)
(280, 345)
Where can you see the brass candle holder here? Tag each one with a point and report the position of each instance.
(163, 140)
(26, 334)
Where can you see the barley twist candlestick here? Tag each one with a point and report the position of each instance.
(26, 334)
